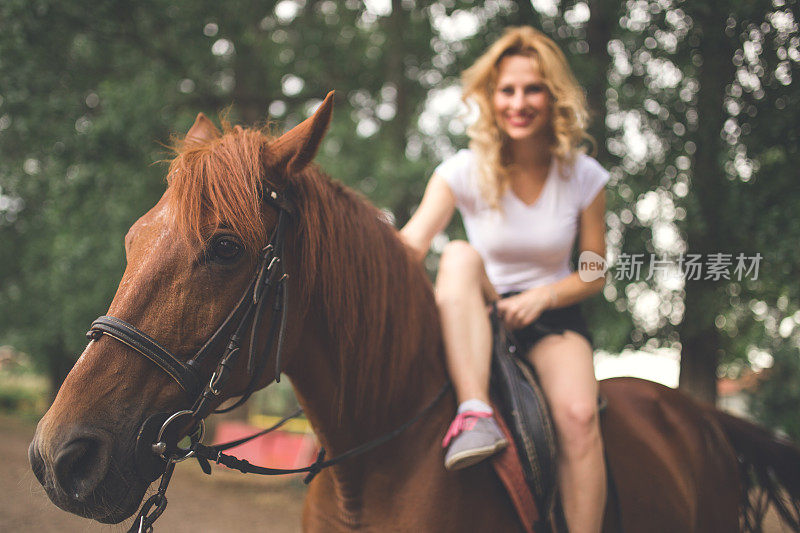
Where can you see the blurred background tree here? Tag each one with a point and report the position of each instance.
(695, 117)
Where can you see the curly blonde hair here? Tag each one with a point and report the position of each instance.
(570, 116)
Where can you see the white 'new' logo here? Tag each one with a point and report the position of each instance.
(591, 266)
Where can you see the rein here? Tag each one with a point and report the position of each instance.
(158, 442)
(214, 453)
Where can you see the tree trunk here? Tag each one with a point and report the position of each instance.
(602, 20)
(700, 343)
(700, 338)
(397, 129)
(526, 14)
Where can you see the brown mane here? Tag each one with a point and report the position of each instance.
(353, 268)
(219, 182)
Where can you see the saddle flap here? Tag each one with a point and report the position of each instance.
(522, 405)
(508, 468)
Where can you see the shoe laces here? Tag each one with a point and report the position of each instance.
(463, 422)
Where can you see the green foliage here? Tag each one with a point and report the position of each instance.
(75, 165)
(23, 391)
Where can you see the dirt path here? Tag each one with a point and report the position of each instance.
(225, 501)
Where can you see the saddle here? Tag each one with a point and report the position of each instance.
(521, 405)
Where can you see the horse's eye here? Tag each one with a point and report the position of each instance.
(225, 248)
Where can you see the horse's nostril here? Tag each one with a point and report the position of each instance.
(80, 466)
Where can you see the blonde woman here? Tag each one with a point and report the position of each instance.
(526, 192)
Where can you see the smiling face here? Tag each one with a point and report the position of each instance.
(521, 101)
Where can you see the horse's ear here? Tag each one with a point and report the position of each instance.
(202, 131)
(298, 146)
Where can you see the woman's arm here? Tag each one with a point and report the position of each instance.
(431, 217)
(592, 238)
(520, 310)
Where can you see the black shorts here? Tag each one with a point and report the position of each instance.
(551, 321)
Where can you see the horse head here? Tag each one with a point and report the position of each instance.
(190, 259)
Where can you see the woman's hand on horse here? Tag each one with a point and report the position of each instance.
(521, 309)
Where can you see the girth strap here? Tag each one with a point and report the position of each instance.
(131, 336)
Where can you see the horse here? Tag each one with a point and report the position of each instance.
(364, 353)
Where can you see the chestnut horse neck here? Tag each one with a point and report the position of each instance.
(378, 346)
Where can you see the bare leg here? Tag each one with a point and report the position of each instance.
(462, 290)
(564, 365)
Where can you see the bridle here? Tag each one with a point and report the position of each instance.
(270, 276)
(158, 446)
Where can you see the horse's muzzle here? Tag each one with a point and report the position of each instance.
(76, 475)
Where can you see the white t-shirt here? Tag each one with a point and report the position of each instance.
(522, 245)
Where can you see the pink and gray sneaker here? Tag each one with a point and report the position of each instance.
(473, 436)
